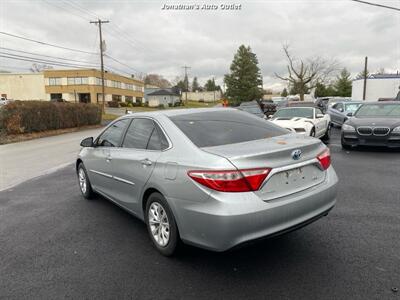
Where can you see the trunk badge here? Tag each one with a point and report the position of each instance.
(296, 154)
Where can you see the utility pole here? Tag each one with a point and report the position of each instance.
(99, 22)
(365, 77)
(187, 82)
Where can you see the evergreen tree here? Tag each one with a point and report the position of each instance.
(244, 83)
(186, 83)
(284, 93)
(195, 85)
(343, 84)
(210, 85)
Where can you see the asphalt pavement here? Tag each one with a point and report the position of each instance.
(25, 160)
(54, 244)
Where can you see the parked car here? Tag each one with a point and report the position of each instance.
(214, 178)
(3, 101)
(280, 101)
(339, 111)
(268, 107)
(373, 124)
(304, 120)
(322, 103)
(253, 108)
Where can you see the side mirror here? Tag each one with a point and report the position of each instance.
(88, 142)
(270, 116)
(319, 116)
(341, 109)
(350, 114)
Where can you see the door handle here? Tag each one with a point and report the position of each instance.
(146, 162)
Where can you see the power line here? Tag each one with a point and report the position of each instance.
(49, 56)
(376, 4)
(50, 61)
(121, 63)
(47, 44)
(43, 61)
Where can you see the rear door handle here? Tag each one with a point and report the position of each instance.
(146, 162)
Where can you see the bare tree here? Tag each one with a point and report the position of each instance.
(35, 68)
(157, 80)
(306, 74)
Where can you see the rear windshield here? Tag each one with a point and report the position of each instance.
(379, 110)
(215, 128)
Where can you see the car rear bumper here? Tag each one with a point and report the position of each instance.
(229, 219)
(353, 139)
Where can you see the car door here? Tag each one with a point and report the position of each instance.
(135, 161)
(337, 116)
(98, 162)
(320, 123)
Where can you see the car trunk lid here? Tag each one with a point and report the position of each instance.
(288, 174)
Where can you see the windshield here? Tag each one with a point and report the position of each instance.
(217, 128)
(300, 112)
(352, 107)
(379, 110)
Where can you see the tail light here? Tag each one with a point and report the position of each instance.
(231, 181)
(324, 159)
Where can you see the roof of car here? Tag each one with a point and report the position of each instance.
(178, 112)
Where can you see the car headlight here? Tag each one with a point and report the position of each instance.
(348, 128)
(396, 130)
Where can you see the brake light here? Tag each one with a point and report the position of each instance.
(324, 159)
(231, 181)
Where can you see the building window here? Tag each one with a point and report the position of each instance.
(116, 98)
(78, 80)
(129, 86)
(54, 81)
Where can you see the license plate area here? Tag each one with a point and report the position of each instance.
(291, 181)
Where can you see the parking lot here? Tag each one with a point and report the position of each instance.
(55, 244)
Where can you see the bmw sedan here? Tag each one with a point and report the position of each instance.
(214, 178)
(373, 124)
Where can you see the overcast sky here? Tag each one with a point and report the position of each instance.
(149, 39)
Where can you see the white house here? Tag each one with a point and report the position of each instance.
(378, 86)
(164, 97)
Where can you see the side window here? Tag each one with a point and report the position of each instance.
(157, 141)
(318, 112)
(145, 134)
(339, 106)
(138, 134)
(111, 137)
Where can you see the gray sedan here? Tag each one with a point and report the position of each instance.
(214, 178)
(339, 112)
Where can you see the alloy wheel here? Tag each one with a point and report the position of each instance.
(82, 180)
(159, 224)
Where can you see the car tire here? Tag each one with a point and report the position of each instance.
(84, 183)
(327, 134)
(312, 132)
(161, 225)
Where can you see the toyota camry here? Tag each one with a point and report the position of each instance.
(213, 178)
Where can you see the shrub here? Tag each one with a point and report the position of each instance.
(113, 104)
(33, 116)
(123, 104)
(146, 104)
(170, 104)
(161, 106)
(136, 104)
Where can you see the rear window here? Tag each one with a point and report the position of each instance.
(215, 128)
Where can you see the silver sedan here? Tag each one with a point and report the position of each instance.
(214, 178)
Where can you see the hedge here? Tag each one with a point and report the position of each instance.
(33, 116)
